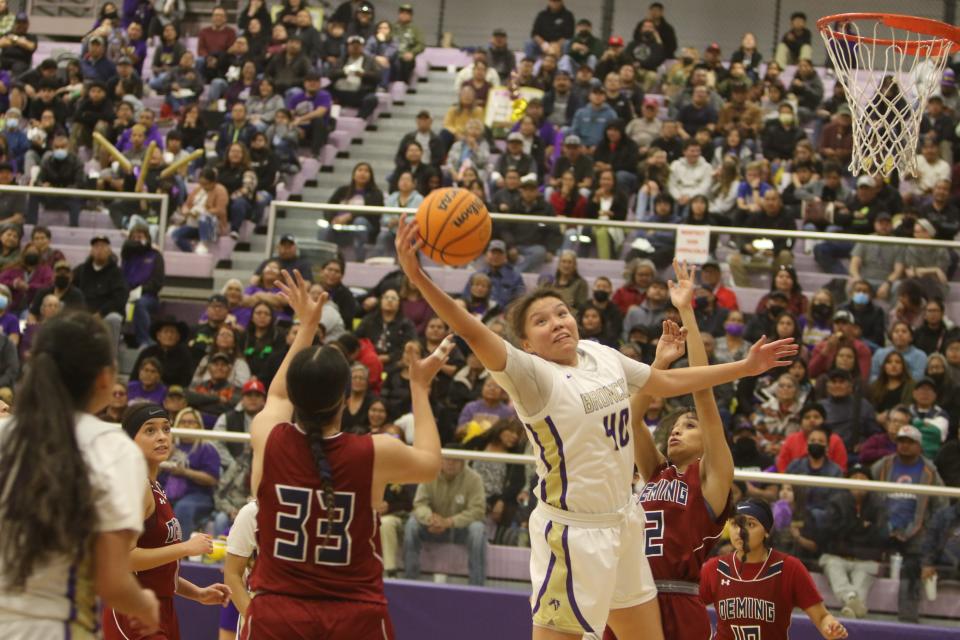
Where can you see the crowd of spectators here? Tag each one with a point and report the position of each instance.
(620, 130)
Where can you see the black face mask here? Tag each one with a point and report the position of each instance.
(745, 447)
(816, 450)
(61, 282)
(820, 311)
(31, 259)
(687, 61)
(601, 296)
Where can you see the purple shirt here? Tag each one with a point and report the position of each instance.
(482, 412)
(278, 315)
(203, 458)
(9, 325)
(135, 392)
(301, 103)
(153, 135)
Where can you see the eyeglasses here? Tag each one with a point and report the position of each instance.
(119, 394)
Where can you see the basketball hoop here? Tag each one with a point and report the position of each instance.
(888, 81)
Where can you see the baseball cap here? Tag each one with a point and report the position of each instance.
(365, 8)
(515, 136)
(861, 469)
(96, 40)
(254, 386)
(650, 102)
(220, 357)
(910, 432)
(497, 245)
(529, 180)
(839, 374)
(124, 60)
(406, 6)
(288, 238)
(100, 237)
(354, 39)
(927, 225)
(596, 86)
(572, 141)
(615, 41)
(713, 46)
(175, 390)
(843, 316)
(926, 381)
(866, 181)
(500, 33)
(949, 78)
(61, 264)
(218, 298)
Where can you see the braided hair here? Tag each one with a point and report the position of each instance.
(318, 380)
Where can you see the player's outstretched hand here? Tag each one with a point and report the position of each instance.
(831, 629)
(296, 290)
(681, 291)
(215, 594)
(767, 355)
(408, 243)
(423, 371)
(671, 346)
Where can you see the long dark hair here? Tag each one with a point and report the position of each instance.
(317, 383)
(47, 504)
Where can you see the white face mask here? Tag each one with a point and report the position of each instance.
(786, 119)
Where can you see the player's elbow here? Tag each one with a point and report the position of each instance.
(427, 468)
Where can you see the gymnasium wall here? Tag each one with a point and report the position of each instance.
(698, 22)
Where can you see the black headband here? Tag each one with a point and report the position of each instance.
(142, 413)
(751, 508)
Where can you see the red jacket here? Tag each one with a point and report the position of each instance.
(822, 359)
(368, 358)
(795, 446)
(726, 298)
(627, 296)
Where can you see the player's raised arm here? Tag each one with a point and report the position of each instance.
(716, 469)
(278, 407)
(670, 348)
(397, 462)
(488, 346)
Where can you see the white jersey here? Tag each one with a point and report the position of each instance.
(59, 600)
(578, 420)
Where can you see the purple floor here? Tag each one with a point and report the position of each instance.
(423, 610)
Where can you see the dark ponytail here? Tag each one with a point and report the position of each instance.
(47, 503)
(317, 383)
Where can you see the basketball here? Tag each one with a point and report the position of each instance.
(455, 226)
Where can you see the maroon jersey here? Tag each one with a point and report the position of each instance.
(159, 530)
(302, 553)
(680, 528)
(755, 601)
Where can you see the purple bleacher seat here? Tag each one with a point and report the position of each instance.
(327, 155)
(350, 123)
(398, 91)
(188, 311)
(421, 68)
(503, 563)
(441, 57)
(340, 139)
(187, 265)
(223, 249)
(247, 229)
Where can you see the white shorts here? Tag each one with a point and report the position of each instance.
(583, 565)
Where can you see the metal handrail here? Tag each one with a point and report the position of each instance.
(94, 194)
(744, 476)
(622, 224)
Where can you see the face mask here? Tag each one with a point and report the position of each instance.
(61, 282)
(734, 329)
(775, 311)
(702, 301)
(601, 296)
(745, 447)
(12, 123)
(820, 311)
(786, 119)
(861, 298)
(816, 450)
(31, 259)
(687, 61)
(59, 154)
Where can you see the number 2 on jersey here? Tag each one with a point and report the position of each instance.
(745, 632)
(654, 534)
(333, 546)
(612, 426)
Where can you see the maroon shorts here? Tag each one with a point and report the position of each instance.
(117, 626)
(683, 618)
(276, 617)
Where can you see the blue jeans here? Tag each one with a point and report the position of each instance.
(205, 231)
(532, 257)
(357, 235)
(72, 205)
(240, 209)
(532, 50)
(474, 536)
(829, 253)
(143, 310)
(218, 88)
(191, 509)
(386, 242)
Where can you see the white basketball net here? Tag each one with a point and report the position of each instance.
(887, 87)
